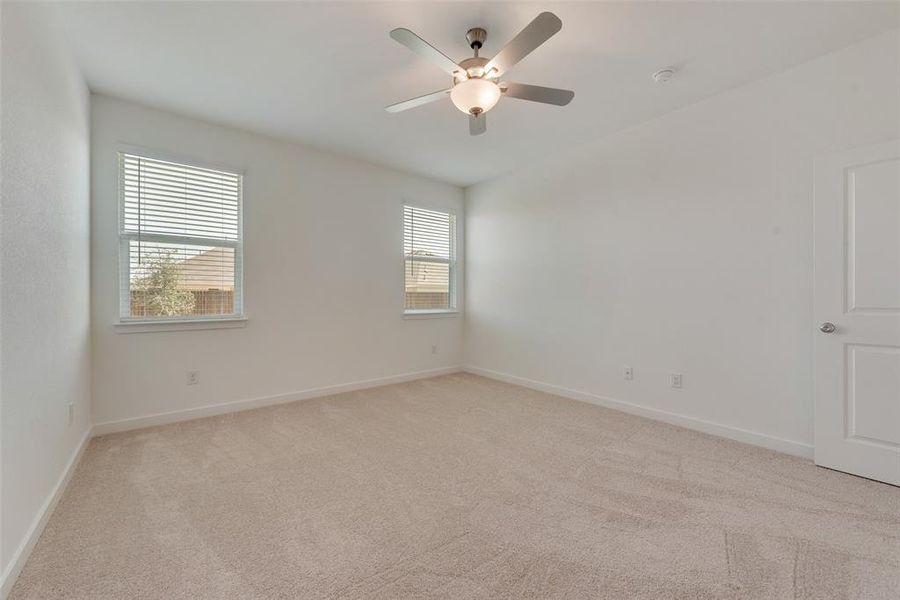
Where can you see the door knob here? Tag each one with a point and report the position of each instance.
(827, 327)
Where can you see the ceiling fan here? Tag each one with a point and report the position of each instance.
(476, 81)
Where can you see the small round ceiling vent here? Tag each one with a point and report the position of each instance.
(663, 75)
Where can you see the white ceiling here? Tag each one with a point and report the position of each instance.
(320, 73)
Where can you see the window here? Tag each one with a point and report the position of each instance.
(429, 248)
(180, 241)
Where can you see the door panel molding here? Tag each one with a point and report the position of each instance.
(857, 288)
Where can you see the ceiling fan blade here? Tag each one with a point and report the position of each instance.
(544, 26)
(536, 93)
(426, 50)
(419, 101)
(477, 124)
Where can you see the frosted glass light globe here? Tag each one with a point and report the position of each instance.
(475, 95)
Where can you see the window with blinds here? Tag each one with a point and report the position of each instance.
(429, 248)
(180, 240)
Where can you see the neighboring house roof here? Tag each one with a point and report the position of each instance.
(214, 269)
(427, 277)
(210, 270)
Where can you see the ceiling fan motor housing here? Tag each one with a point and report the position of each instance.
(474, 68)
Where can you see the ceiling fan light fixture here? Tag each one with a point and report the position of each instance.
(475, 96)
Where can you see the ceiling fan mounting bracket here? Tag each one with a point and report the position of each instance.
(476, 37)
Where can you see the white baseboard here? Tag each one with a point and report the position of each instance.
(239, 405)
(20, 556)
(741, 435)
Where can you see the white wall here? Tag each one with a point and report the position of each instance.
(681, 245)
(44, 273)
(323, 275)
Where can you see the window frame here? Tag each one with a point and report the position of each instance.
(452, 262)
(129, 324)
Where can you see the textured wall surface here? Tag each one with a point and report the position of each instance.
(682, 245)
(44, 273)
(323, 274)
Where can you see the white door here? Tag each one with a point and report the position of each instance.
(857, 312)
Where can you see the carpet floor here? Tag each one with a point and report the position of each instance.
(457, 487)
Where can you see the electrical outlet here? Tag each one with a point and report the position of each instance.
(628, 373)
(193, 377)
(71, 413)
(434, 348)
(675, 380)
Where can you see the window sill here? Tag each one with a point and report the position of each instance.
(178, 325)
(430, 314)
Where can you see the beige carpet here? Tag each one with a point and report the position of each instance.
(457, 487)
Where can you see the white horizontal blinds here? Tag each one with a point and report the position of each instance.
(429, 247)
(167, 198)
(180, 239)
(427, 233)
